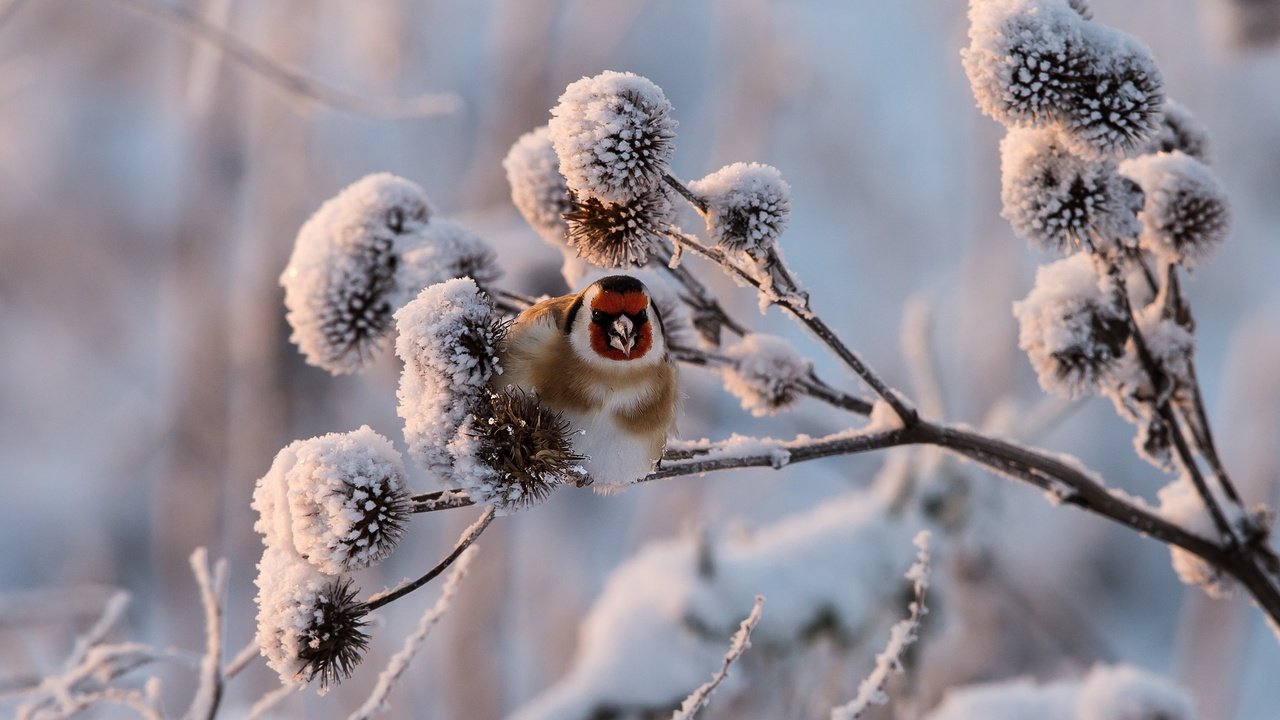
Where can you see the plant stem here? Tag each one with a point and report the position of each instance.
(468, 537)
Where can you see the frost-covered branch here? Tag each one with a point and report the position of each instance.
(902, 636)
(213, 585)
(399, 662)
(288, 80)
(738, 644)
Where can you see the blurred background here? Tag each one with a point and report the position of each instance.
(151, 185)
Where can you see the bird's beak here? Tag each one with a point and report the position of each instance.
(620, 334)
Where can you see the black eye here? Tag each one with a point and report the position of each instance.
(640, 317)
(395, 220)
(599, 317)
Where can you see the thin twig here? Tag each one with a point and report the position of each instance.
(468, 537)
(291, 81)
(208, 695)
(738, 644)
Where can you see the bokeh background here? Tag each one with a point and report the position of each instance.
(151, 187)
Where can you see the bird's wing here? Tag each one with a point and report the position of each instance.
(528, 336)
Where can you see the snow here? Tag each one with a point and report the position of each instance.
(288, 593)
(341, 276)
(1059, 200)
(654, 628)
(748, 205)
(1115, 109)
(447, 341)
(767, 373)
(444, 250)
(613, 134)
(1182, 505)
(1070, 326)
(1180, 130)
(538, 190)
(1108, 692)
(1186, 212)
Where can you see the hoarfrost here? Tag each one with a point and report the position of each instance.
(538, 190)
(1186, 211)
(1181, 504)
(767, 374)
(748, 205)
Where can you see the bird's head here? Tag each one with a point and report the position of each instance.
(613, 321)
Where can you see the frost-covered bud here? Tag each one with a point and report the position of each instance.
(342, 274)
(444, 250)
(1124, 692)
(767, 374)
(1154, 441)
(1178, 129)
(347, 500)
(614, 136)
(1181, 504)
(309, 625)
(748, 205)
(448, 338)
(1186, 213)
(514, 452)
(538, 190)
(1082, 8)
(1071, 327)
(1024, 58)
(337, 501)
(1114, 108)
(1060, 201)
(619, 234)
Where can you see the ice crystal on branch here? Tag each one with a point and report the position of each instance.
(448, 338)
(619, 234)
(538, 190)
(1061, 201)
(347, 500)
(309, 625)
(1024, 58)
(1178, 129)
(767, 373)
(1115, 105)
(614, 136)
(1071, 327)
(1186, 212)
(748, 205)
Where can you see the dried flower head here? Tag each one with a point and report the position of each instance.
(347, 500)
(767, 374)
(342, 274)
(748, 205)
(309, 625)
(1060, 201)
(521, 451)
(1178, 129)
(1114, 107)
(619, 234)
(444, 250)
(614, 136)
(1071, 326)
(448, 338)
(538, 190)
(1186, 212)
(1024, 58)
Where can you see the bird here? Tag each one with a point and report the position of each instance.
(600, 358)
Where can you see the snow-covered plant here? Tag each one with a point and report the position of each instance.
(538, 190)
(622, 233)
(614, 136)
(310, 625)
(1071, 326)
(767, 373)
(338, 500)
(1185, 213)
(1059, 201)
(362, 255)
(748, 205)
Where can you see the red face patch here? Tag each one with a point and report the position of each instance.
(600, 343)
(615, 303)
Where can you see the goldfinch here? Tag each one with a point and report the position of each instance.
(599, 358)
